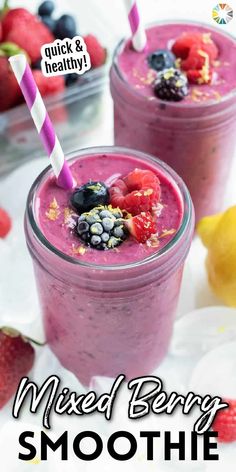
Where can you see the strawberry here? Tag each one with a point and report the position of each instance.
(10, 93)
(96, 51)
(225, 423)
(26, 30)
(16, 359)
(141, 226)
(5, 223)
(48, 85)
(137, 192)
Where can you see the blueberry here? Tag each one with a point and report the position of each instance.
(89, 196)
(65, 27)
(49, 22)
(37, 64)
(71, 79)
(161, 59)
(46, 8)
(107, 224)
(96, 228)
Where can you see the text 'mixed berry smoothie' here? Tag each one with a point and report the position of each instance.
(177, 101)
(108, 259)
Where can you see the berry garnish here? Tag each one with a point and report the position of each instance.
(225, 423)
(171, 85)
(65, 27)
(102, 227)
(89, 195)
(16, 360)
(161, 59)
(5, 223)
(203, 76)
(138, 191)
(46, 8)
(184, 43)
(141, 226)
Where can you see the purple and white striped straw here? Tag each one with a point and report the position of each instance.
(41, 120)
(139, 39)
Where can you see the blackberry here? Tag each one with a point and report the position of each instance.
(171, 84)
(161, 59)
(102, 227)
(89, 195)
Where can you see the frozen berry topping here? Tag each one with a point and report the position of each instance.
(196, 53)
(138, 191)
(171, 84)
(89, 195)
(161, 59)
(142, 226)
(102, 227)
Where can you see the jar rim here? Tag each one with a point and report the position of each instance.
(185, 228)
(174, 105)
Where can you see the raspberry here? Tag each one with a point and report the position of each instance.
(225, 423)
(138, 191)
(196, 59)
(183, 44)
(96, 51)
(186, 41)
(102, 227)
(5, 223)
(48, 85)
(199, 76)
(141, 226)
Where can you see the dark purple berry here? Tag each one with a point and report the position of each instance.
(102, 228)
(171, 85)
(65, 27)
(88, 196)
(46, 8)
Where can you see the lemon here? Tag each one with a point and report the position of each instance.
(218, 234)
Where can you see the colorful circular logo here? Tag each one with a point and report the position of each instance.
(222, 13)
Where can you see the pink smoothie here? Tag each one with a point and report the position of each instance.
(56, 225)
(108, 312)
(195, 136)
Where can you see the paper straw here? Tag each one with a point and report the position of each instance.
(41, 120)
(139, 39)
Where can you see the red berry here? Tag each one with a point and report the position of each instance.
(199, 76)
(141, 226)
(96, 51)
(225, 423)
(138, 191)
(16, 360)
(5, 223)
(182, 46)
(196, 59)
(48, 85)
(27, 31)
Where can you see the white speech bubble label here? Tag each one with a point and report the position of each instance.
(65, 56)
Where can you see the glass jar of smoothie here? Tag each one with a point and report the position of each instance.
(195, 136)
(108, 312)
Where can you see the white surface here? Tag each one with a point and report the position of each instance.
(202, 331)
